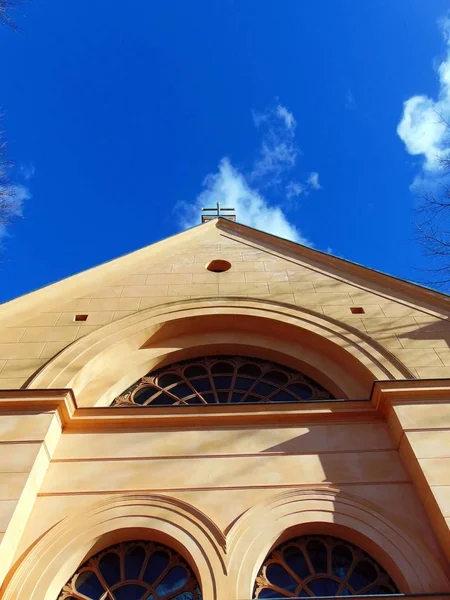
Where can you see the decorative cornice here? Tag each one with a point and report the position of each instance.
(23, 401)
(384, 395)
(141, 417)
(419, 391)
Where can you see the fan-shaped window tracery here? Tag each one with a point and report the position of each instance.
(133, 571)
(320, 566)
(222, 380)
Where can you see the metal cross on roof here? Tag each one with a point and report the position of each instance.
(218, 210)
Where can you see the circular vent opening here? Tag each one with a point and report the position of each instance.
(218, 266)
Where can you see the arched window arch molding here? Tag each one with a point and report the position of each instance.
(326, 511)
(331, 351)
(42, 572)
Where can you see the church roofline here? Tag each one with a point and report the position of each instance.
(87, 277)
(379, 277)
(80, 283)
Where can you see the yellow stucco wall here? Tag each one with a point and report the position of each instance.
(223, 472)
(355, 454)
(375, 471)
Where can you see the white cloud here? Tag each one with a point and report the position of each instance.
(277, 155)
(294, 189)
(278, 151)
(313, 180)
(230, 187)
(275, 158)
(421, 127)
(287, 116)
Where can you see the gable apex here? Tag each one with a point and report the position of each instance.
(213, 240)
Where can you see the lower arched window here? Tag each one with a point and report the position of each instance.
(320, 566)
(136, 570)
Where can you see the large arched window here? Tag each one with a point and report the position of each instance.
(133, 571)
(320, 566)
(222, 380)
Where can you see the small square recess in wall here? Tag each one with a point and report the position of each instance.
(80, 317)
(357, 310)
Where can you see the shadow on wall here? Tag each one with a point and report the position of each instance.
(357, 459)
(436, 333)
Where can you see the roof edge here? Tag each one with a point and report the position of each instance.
(82, 281)
(409, 288)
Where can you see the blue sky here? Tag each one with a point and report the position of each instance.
(122, 118)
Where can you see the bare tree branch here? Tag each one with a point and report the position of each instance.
(6, 7)
(433, 222)
(8, 200)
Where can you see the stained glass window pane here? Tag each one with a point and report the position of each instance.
(131, 591)
(209, 398)
(175, 579)
(264, 389)
(243, 384)
(282, 396)
(278, 575)
(134, 560)
(195, 371)
(317, 553)
(88, 584)
(286, 569)
(222, 396)
(363, 575)
(222, 367)
(157, 564)
(141, 396)
(149, 572)
(342, 560)
(296, 561)
(167, 379)
(222, 383)
(181, 391)
(250, 369)
(162, 400)
(302, 391)
(324, 587)
(276, 377)
(110, 568)
(201, 385)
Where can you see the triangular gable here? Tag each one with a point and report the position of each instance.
(404, 317)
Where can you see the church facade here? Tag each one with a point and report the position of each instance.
(225, 415)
